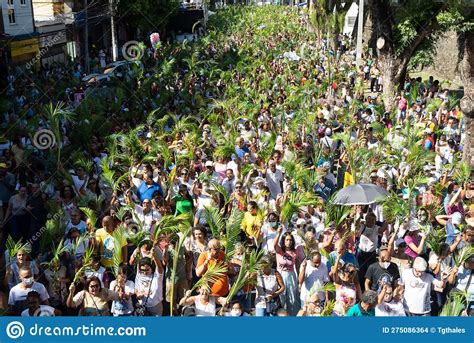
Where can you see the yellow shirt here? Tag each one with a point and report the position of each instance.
(107, 247)
(348, 179)
(251, 224)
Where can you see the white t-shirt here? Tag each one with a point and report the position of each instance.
(369, 238)
(417, 291)
(121, 307)
(19, 294)
(147, 219)
(43, 311)
(391, 309)
(274, 180)
(153, 285)
(312, 276)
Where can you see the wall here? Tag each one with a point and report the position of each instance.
(23, 16)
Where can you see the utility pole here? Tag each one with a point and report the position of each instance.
(360, 28)
(86, 38)
(113, 30)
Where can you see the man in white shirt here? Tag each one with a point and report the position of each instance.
(274, 178)
(146, 215)
(229, 182)
(149, 286)
(17, 296)
(35, 309)
(418, 283)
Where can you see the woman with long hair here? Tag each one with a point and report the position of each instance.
(288, 262)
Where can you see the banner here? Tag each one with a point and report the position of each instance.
(242, 330)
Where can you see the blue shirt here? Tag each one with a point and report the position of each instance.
(324, 191)
(241, 151)
(145, 191)
(346, 258)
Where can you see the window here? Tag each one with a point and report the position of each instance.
(10, 2)
(23, 2)
(11, 16)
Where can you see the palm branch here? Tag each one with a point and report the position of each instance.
(328, 308)
(462, 173)
(185, 232)
(310, 245)
(232, 232)
(53, 264)
(13, 247)
(395, 208)
(248, 270)
(86, 263)
(456, 304)
(215, 221)
(214, 273)
(118, 236)
(336, 214)
(294, 203)
(463, 255)
(435, 240)
(90, 215)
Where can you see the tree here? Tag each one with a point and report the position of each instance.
(467, 102)
(147, 15)
(410, 28)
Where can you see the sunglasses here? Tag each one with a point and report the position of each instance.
(144, 270)
(94, 286)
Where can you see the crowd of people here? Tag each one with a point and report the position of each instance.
(205, 185)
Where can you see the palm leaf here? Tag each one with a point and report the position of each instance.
(463, 255)
(90, 215)
(215, 221)
(295, 202)
(455, 305)
(214, 272)
(13, 247)
(232, 232)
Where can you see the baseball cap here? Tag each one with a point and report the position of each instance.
(209, 164)
(3, 165)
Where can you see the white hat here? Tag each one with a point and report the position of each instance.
(420, 264)
(300, 221)
(209, 164)
(259, 179)
(456, 218)
(328, 132)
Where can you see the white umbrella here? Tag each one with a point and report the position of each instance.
(361, 194)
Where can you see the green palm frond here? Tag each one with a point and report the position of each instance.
(87, 164)
(247, 272)
(328, 308)
(86, 263)
(310, 245)
(13, 247)
(456, 304)
(57, 252)
(463, 255)
(90, 215)
(435, 240)
(395, 208)
(336, 214)
(214, 273)
(119, 236)
(295, 202)
(215, 221)
(232, 232)
(462, 173)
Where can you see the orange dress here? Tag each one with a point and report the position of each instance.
(221, 287)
